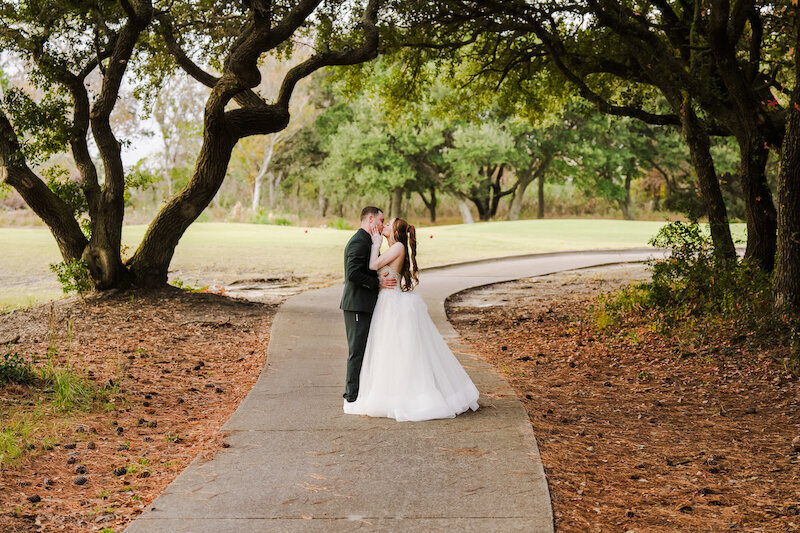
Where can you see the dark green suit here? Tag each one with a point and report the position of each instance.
(358, 300)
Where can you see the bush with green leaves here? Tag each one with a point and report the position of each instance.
(692, 280)
(693, 292)
(340, 223)
(261, 217)
(15, 369)
(73, 276)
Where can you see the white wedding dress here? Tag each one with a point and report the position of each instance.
(409, 372)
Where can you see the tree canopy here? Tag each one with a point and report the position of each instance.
(79, 56)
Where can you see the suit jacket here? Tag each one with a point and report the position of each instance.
(360, 283)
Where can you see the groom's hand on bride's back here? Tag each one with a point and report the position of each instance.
(387, 282)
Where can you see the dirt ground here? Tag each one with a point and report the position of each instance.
(181, 363)
(636, 435)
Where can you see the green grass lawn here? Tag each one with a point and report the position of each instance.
(218, 253)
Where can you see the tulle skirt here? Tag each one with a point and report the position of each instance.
(409, 372)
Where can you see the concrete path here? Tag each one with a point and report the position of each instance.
(297, 463)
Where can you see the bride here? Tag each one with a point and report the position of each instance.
(409, 373)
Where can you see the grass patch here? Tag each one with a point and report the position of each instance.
(218, 252)
(47, 391)
(26, 432)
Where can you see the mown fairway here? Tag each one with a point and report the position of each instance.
(219, 253)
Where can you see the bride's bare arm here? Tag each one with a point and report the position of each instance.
(377, 261)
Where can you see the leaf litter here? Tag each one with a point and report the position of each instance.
(181, 363)
(632, 436)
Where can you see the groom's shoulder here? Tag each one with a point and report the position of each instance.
(358, 236)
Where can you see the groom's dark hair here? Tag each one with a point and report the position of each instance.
(370, 210)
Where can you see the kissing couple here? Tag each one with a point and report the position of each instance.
(398, 364)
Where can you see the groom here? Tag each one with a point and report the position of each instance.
(360, 294)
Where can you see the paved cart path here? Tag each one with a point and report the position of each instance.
(297, 463)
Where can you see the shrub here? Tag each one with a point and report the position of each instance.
(73, 276)
(14, 369)
(694, 281)
(261, 217)
(699, 294)
(340, 223)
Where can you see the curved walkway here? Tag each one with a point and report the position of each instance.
(297, 463)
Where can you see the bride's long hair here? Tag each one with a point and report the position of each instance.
(406, 234)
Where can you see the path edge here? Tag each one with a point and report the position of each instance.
(485, 285)
(467, 262)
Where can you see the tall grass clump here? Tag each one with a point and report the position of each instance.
(69, 389)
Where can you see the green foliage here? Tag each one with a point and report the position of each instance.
(44, 123)
(262, 217)
(15, 369)
(694, 294)
(690, 284)
(69, 389)
(25, 431)
(608, 309)
(185, 286)
(340, 223)
(73, 276)
(139, 178)
(693, 281)
(70, 193)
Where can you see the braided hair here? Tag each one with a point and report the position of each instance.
(406, 234)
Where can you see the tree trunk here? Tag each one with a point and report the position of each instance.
(430, 204)
(497, 191)
(466, 214)
(396, 205)
(47, 206)
(483, 207)
(167, 169)
(522, 184)
(626, 205)
(745, 125)
(540, 206)
(102, 254)
(322, 200)
(656, 198)
(258, 183)
(262, 172)
(274, 183)
(762, 218)
(787, 272)
(515, 207)
(150, 263)
(700, 151)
